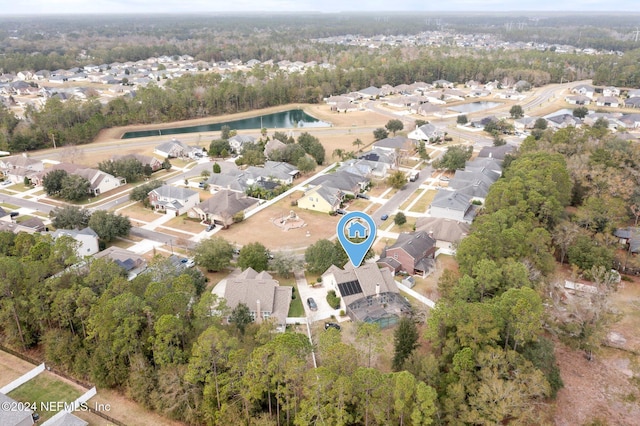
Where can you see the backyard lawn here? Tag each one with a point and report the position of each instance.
(46, 388)
(295, 309)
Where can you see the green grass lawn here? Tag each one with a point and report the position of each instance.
(409, 200)
(45, 389)
(421, 205)
(295, 308)
(9, 206)
(405, 227)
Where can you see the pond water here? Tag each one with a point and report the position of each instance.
(294, 118)
(475, 106)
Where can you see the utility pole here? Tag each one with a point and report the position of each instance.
(53, 138)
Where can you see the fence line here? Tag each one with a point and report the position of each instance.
(34, 361)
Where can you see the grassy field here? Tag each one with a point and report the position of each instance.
(45, 388)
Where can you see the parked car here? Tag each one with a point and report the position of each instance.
(188, 263)
(328, 325)
(384, 217)
(341, 211)
(363, 196)
(211, 227)
(312, 304)
(236, 251)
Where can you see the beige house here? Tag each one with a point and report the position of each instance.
(222, 207)
(264, 296)
(17, 167)
(321, 198)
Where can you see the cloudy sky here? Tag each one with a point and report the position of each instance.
(177, 6)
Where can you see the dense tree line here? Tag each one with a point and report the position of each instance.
(75, 122)
(163, 340)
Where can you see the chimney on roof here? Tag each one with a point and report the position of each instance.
(258, 312)
(377, 290)
(431, 235)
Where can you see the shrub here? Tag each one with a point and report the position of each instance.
(333, 300)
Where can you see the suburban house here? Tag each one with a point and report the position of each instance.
(276, 171)
(426, 109)
(452, 205)
(413, 251)
(30, 226)
(222, 207)
(394, 144)
(87, 240)
(348, 183)
(475, 183)
(482, 163)
(99, 181)
(17, 167)
(178, 149)
(443, 83)
(524, 123)
(608, 101)
(370, 92)
(321, 198)
(446, 232)
(153, 162)
(264, 296)
(427, 132)
(173, 200)
(578, 100)
(131, 262)
(584, 90)
(367, 293)
(273, 145)
(237, 142)
(561, 121)
(379, 155)
(610, 91)
(364, 167)
(632, 102)
(497, 152)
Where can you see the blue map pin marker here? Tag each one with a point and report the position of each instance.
(356, 225)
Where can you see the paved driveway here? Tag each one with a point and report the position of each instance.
(319, 294)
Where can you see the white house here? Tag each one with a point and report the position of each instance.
(173, 200)
(87, 240)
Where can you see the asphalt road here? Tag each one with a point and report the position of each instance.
(539, 97)
(401, 196)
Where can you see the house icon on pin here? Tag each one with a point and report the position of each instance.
(357, 230)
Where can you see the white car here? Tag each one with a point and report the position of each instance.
(188, 263)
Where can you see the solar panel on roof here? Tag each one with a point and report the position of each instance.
(349, 288)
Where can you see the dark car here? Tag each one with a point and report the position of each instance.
(340, 211)
(328, 325)
(384, 217)
(211, 227)
(363, 196)
(312, 304)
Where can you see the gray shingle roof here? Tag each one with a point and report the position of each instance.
(174, 192)
(451, 200)
(414, 243)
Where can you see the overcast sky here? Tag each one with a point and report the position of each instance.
(185, 6)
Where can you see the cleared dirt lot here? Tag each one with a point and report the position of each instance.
(260, 227)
